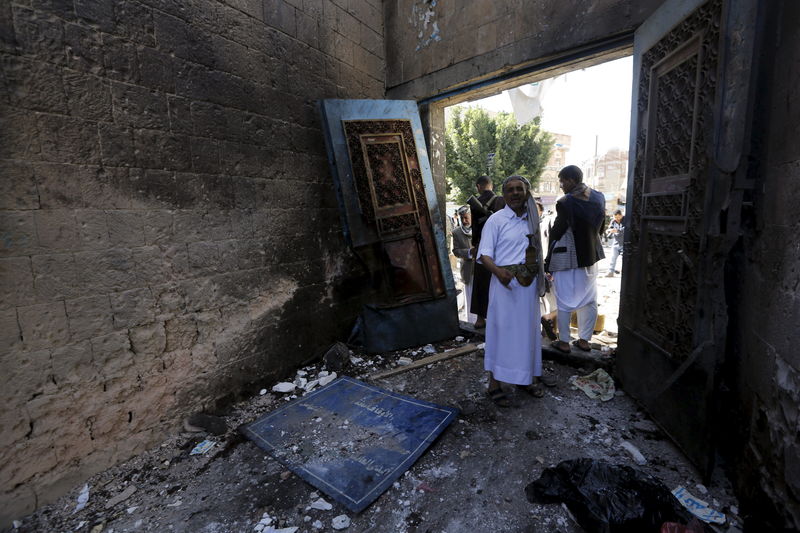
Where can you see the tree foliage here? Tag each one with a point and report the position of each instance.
(471, 135)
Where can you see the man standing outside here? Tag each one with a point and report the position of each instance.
(575, 249)
(463, 249)
(615, 230)
(511, 252)
(481, 207)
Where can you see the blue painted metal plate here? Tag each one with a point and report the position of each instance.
(349, 439)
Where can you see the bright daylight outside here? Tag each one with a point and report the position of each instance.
(580, 118)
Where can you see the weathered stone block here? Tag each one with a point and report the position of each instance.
(10, 334)
(72, 364)
(84, 49)
(89, 317)
(111, 354)
(158, 226)
(17, 233)
(148, 341)
(200, 294)
(217, 122)
(107, 270)
(155, 187)
(135, 21)
(88, 97)
(92, 228)
(43, 325)
(156, 70)
(119, 59)
(162, 150)
(39, 34)
(27, 374)
(33, 84)
(57, 184)
(242, 159)
(205, 155)
(14, 425)
(17, 186)
(181, 333)
(189, 226)
(19, 138)
(139, 107)
(98, 14)
(204, 257)
(57, 229)
(170, 300)
(180, 114)
(117, 147)
(54, 276)
(125, 228)
(133, 308)
(73, 140)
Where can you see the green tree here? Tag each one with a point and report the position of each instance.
(477, 144)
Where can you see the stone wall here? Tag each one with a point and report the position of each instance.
(170, 235)
(437, 46)
(764, 356)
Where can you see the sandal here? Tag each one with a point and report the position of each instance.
(547, 381)
(583, 345)
(549, 330)
(561, 346)
(534, 389)
(499, 398)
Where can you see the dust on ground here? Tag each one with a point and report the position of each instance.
(471, 479)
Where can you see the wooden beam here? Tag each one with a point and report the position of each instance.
(463, 350)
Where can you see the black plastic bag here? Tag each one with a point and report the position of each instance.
(607, 498)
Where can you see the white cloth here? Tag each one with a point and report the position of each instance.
(513, 341)
(576, 287)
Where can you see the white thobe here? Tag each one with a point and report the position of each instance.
(576, 287)
(513, 341)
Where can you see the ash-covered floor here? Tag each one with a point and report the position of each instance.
(471, 479)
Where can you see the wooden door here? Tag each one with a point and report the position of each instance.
(693, 63)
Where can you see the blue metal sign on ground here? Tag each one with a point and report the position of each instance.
(349, 439)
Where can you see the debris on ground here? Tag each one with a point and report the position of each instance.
(214, 425)
(121, 497)
(638, 458)
(336, 356)
(598, 384)
(83, 499)
(608, 498)
(202, 447)
(284, 387)
(341, 522)
(698, 507)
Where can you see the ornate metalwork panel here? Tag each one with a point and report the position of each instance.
(391, 197)
(677, 85)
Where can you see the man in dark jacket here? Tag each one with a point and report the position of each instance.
(575, 249)
(481, 208)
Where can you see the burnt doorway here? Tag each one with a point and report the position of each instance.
(692, 64)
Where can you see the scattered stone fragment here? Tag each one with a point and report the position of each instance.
(121, 497)
(459, 339)
(428, 348)
(317, 524)
(638, 458)
(341, 522)
(645, 426)
(83, 499)
(262, 392)
(311, 385)
(321, 505)
(405, 361)
(324, 380)
(336, 356)
(283, 387)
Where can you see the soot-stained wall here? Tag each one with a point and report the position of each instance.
(169, 231)
(764, 362)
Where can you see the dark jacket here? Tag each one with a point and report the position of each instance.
(489, 203)
(587, 218)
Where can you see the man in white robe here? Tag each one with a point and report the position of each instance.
(513, 351)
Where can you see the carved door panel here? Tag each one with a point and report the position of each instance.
(392, 198)
(690, 114)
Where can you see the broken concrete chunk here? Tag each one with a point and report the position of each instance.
(324, 380)
(405, 361)
(121, 497)
(83, 499)
(341, 522)
(336, 356)
(321, 505)
(300, 382)
(645, 426)
(283, 387)
(317, 524)
(428, 348)
(311, 385)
